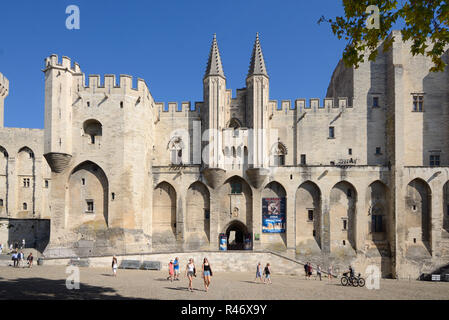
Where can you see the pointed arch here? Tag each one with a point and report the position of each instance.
(343, 210)
(274, 198)
(308, 216)
(88, 195)
(234, 123)
(164, 210)
(278, 152)
(418, 213)
(197, 216)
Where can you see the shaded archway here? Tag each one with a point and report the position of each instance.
(342, 220)
(418, 213)
(88, 200)
(4, 181)
(164, 214)
(274, 232)
(236, 232)
(308, 217)
(197, 216)
(446, 211)
(93, 129)
(380, 225)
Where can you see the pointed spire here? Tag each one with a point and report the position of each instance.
(257, 65)
(214, 66)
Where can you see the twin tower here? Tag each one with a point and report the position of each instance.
(250, 110)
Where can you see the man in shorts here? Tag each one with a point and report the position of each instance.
(176, 268)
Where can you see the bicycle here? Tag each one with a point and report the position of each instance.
(355, 281)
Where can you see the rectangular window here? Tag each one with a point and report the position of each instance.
(376, 223)
(83, 181)
(303, 159)
(375, 102)
(1, 202)
(236, 188)
(331, 132)
(46, 183)
(279, 160)
(434, 160)
(350, 151)
(418, 103)
(90, 205)
(378, 150)
(26, 182)
(310, 214)
(345, 224)
(176, 157)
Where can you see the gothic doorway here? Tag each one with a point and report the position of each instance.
(236, 233)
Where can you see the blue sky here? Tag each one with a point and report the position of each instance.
(166, 43)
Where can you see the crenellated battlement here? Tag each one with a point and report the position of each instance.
(4, 86)
(313, 104)
(175, 108)
(65, 63)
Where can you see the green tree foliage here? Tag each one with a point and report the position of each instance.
(426, 25)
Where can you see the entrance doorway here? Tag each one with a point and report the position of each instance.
(236, 233)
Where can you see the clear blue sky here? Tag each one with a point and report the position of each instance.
(166, 43)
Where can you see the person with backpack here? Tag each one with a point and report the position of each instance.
(267, 273)
(207, 273)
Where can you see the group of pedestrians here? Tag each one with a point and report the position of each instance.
(173, 270)
(190, 272)
(264, 275)
(18, 257)
(308, 270)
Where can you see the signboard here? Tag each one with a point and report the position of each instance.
(273, 215)
(223, 242)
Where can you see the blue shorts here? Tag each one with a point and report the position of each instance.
(207, 273)
(258, 275)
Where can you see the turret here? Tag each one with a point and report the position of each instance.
(59, 93)
(214, 105)
(257, 100)
(4, 91)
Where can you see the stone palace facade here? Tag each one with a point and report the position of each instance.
(359, 177)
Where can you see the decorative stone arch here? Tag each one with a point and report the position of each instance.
(378, 211)
(418, 211)
(88, 196)
(164, 222)
(278, 152)
(308, 217)
(176, 147)
(234, 123)
(275, 190)
(93, 129)
(197, 216)
(343, 216)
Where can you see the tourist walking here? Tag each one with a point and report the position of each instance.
(259, 273)
(30, 260)
(310, 271)
(14, 259)
(171, 271)
(114, 266)
(23, 244)
(10, 247)
(207, 273)
(329, 273)
(20, 258)
(267, 273)
(190, 273)
(176, 268)
(318, 272)
(306, 270)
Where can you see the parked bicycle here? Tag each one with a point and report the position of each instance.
(355, 281)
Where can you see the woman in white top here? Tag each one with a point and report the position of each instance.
(114, 266)
(190, 273)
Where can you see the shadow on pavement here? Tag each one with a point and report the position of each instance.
(45, 289)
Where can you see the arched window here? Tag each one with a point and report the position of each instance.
(25, 206)
(92, 128)
(175, 146)
(234, 123)
(279, 151)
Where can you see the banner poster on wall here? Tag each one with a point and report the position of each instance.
(273, 215)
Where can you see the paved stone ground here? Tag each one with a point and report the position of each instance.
(48, 282)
